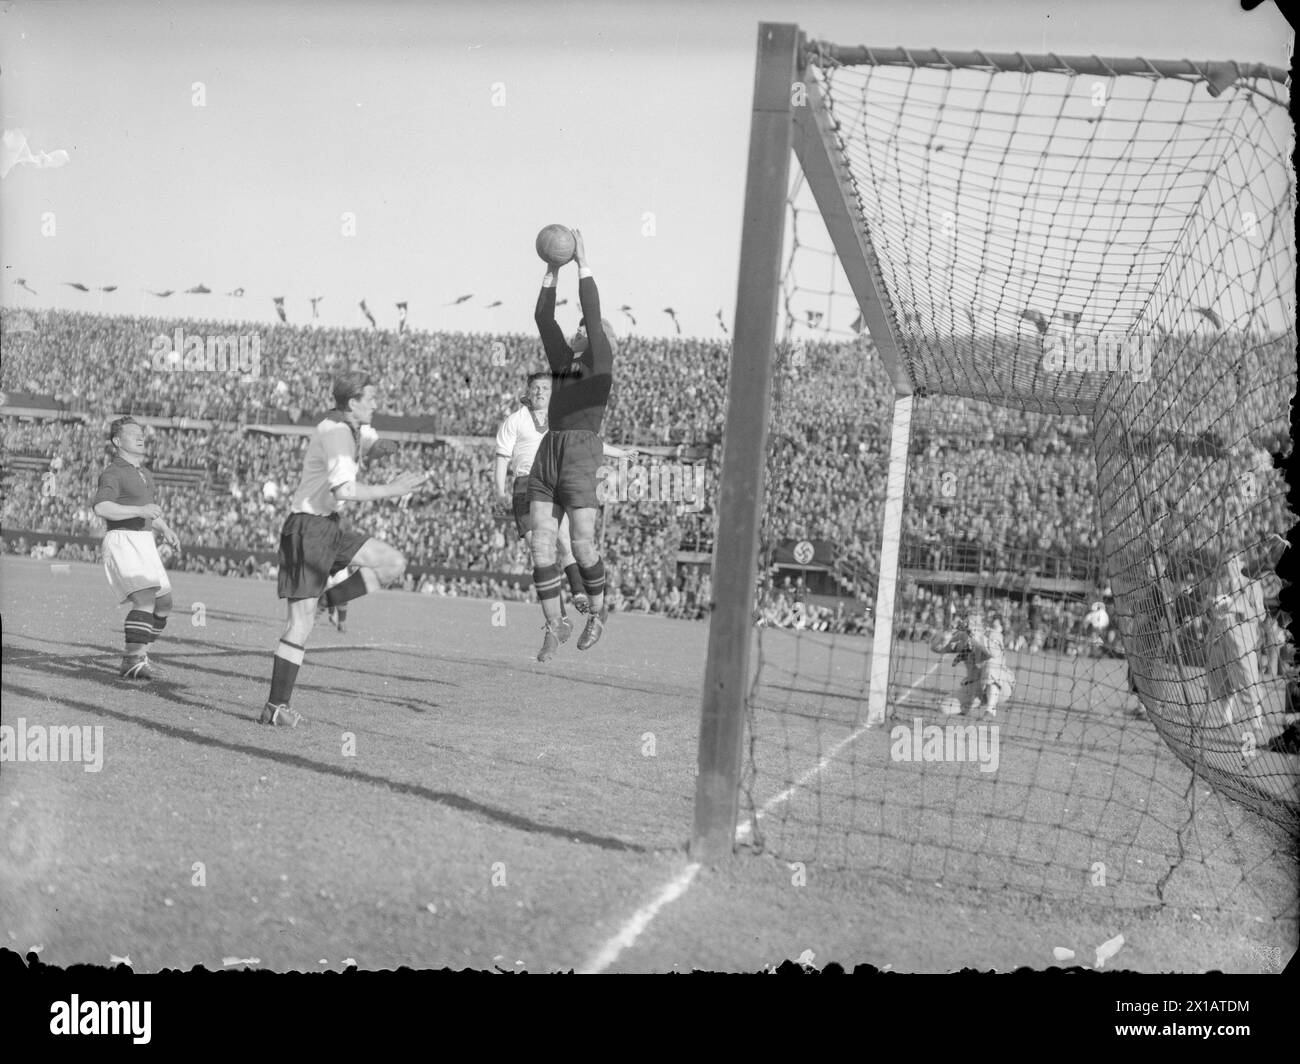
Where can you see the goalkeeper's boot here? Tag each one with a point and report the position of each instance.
(595, 626)
(581, 603)
(280, 715)
(551, 639)
(136, 667)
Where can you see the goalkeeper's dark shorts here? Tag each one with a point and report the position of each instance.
(565, 469)
(312, 549)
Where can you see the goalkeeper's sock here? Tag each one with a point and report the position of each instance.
(574, 572)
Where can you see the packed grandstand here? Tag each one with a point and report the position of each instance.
(226, 447)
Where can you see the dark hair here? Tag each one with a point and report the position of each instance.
(115, 429)
(349, 385)
(540, 375)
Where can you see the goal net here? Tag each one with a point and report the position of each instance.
(1018, 620)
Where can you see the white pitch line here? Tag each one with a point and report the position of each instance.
(743, 831)
(632, 930)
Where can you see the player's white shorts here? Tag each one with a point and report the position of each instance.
(132, 563)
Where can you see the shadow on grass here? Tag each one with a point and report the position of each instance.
(444, 798)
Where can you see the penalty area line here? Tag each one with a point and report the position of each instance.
(631, 931)
(747, 827)
(674, 889)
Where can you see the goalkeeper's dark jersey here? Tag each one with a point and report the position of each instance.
(579, 387)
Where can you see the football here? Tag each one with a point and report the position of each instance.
(556, 245)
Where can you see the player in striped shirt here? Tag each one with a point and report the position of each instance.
(125, 500)
(313, 545)
(518, 438)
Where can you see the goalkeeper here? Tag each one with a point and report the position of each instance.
(988, 680)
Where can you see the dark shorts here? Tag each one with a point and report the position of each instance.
(522, 511)
(565, 468)
(312, 549)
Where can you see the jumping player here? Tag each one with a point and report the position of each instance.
(563, 479)
(518, 438)
(313, 546)
(125, 500)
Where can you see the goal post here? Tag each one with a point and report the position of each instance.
(740, 492)
(1064, 287)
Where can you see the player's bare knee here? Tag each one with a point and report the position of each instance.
(543, 547)
(584, 550)
(394, 566)
(162, 605)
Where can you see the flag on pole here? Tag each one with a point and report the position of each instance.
(369, 317)
(722, 323)
(22, 283)
(315, 304)
(163, 294)
(198, 290)
(109, 288)
(279, 309)
(1210, 316)
(77, 285)
(626, 311)
(1040, 323)
(237, 293)
(401, 318)
(673, 314)
(494, 305)
(461, 299)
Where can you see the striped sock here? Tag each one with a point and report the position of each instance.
(139, 631)
(546, 578)
(159, 623)
(593, 578)
(284, 673)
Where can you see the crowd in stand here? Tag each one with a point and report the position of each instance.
(1004, 495)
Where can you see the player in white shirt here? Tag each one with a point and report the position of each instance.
(313, 545)
(518, 438)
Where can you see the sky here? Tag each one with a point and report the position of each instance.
(411, 151)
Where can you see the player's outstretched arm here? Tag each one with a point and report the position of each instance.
(402, 484)
(558, 352)
(620, 452)
(599, 354)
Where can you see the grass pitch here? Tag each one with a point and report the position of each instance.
(452, 803)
